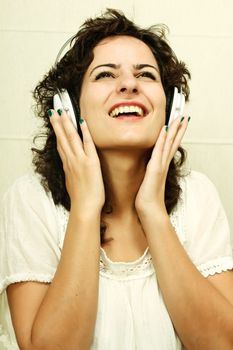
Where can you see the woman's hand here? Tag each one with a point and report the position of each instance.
(150, 197)
(81, 164)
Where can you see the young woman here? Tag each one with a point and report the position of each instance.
(108, 246)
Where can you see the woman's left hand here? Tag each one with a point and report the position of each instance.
(150, 198)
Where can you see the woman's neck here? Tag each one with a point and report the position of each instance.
(123, 173)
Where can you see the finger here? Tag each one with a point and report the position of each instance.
(88, 144)
(171, 140)
(61, 153)
(62, 143)
(179, 136)
(158, 150)
(72, 137)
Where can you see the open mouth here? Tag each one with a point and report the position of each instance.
(129, 110)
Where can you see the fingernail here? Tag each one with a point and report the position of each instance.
(59, 111)
(181, 119)
(189, 118)
(166, 128)
(81, 120)
(50, 113)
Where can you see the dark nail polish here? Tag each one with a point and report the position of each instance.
(166, 128)
(59, 111)
(189, 119)
(181, 119)
(81, 120)
(50, 113)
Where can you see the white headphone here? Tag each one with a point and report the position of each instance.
(62, 101)
(177, 105)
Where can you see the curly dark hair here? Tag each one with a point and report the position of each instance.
(68, 74)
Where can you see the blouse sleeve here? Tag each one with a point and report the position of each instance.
(208, 240)
(29, 249)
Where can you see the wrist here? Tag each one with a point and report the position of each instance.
(153, 212)
(85, 210)
(154, 218)
(155, 226)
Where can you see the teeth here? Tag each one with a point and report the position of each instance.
(126, 109)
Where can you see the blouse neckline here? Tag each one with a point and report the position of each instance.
(125, 263)
(120, 270)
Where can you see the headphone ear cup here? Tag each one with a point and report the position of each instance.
(176, 106)
(169, 102)
(62, 100)
(65, 100)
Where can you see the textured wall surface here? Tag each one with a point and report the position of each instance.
(201, 33)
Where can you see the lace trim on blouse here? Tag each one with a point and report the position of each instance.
(5, 343)
(216, 266)
(24, 277)
(139, 268)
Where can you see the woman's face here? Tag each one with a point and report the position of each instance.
(122, 97)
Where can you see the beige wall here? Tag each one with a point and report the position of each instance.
(201, 32)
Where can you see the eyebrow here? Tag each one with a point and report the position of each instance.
(144, 65)
(117, 66)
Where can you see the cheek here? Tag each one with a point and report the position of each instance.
(160, 105)
(161, 100)
(88, 103)
(83, 104)
(84, 101)
(156, 96)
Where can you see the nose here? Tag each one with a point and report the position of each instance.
(128, 84)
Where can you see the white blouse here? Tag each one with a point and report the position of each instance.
(131, 312)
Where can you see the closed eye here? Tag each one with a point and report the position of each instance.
(146, 74)
(104, 74)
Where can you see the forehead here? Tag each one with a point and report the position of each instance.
(123, 48)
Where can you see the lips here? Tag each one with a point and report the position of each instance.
(129, 108)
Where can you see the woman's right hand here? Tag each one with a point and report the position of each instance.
(81, 164)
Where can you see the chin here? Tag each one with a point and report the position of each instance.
(126, 145)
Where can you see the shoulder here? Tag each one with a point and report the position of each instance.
(203, 210)
(195, 179)
(198, 188)
(202, 213)
(26, 185)
(27, 190)
(30, 233)
(207, 233)
(27, 204)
